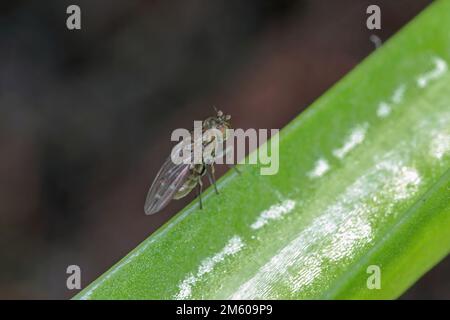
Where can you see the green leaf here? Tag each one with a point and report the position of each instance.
(363, 180)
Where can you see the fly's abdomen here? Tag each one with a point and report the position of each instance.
(187, 187)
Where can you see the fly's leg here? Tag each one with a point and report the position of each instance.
(199, 192)
(212, 178)
(213, 174)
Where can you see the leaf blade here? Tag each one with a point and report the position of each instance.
(351, 168)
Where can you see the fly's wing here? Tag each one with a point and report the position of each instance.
(169, 179)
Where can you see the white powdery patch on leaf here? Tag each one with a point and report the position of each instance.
(355, 138)
(436, 133)
(350, 234)
(383, 110)
(234, 245)
(440, 67)
(397, 97)
(320, 168)
(407, 181)
(440, 144)
(275, 212)
(337, 235)
(437, 139)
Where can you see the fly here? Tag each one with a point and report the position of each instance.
(175, 181)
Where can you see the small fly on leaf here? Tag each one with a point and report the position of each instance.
(176, 180)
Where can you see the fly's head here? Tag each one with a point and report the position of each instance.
(220, 122)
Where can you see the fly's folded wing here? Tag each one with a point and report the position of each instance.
(169, 179)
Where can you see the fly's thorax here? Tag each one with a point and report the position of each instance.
(219, 134)
(198, 169)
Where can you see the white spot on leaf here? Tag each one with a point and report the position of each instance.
(356, 137)
(234, 245)
(383, 110)
(320, 168)
(440, 144)
(397, 97)
(275, 212)
(439, 69)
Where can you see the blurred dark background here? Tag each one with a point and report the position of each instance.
(86, 115)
